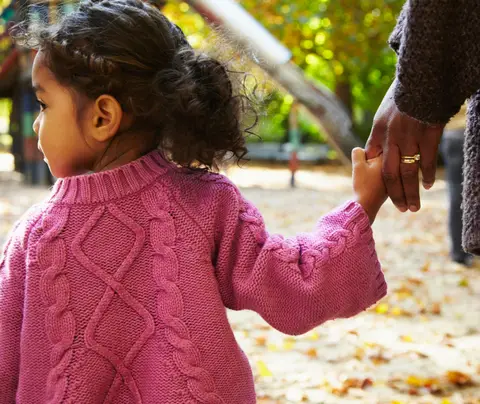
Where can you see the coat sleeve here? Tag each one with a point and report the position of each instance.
(296, 283)
(438, 47)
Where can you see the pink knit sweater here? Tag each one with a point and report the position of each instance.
(114, 289)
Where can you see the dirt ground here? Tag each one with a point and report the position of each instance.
(421, 344)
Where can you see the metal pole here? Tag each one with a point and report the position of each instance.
(294, 138)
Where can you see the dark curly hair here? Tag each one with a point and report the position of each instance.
(130, 50)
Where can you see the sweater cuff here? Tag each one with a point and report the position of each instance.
(360, 217)
(352, 212)
(420, 106)
(351, 215)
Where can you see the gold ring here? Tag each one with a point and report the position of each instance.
(410, 159)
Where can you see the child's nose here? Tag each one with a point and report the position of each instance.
(36, 124)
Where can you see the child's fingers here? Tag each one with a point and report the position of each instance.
(377, 161)
(359, 157)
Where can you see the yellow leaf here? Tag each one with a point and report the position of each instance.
(313, 336)
(402, 295)
(397, 311)
(359, 353)
(272, 347)
(421, 381)
(416, 381)
(463, 283)
(263, 369)
(406, 338)
(382, 308)
(288, 344)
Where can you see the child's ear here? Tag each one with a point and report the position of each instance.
(107, 118)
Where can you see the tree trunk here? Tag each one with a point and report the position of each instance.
(343, 90)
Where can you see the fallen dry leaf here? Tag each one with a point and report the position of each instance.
(459, 378)
(436, 309)
(382, 308)
(415, 281)
(397, 311)
(420, 381)
(426, 266)
(352, 383)
(261, 340)
(263, 369)
(272, 347)
(288, 344)
(312, 353)
(359, 353)
(463, 283)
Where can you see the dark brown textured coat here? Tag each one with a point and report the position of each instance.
(438, 47)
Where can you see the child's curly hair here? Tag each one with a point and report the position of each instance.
(130, 50)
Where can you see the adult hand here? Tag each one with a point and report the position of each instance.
(396, 134)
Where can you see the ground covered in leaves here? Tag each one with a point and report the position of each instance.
(421, 344)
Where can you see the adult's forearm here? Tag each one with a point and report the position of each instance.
(438, 47)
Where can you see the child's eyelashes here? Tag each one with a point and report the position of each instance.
(42, 105)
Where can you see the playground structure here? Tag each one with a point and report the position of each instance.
(242, 29)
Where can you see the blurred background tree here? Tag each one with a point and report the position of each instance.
(341, 43)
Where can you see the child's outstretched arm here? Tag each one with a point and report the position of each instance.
(298, 283)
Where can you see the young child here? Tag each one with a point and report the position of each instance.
(115, 289)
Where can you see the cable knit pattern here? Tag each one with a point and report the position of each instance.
(319, 254)
(55, 293)
(114, 286)
(116, 292)
(186, 356)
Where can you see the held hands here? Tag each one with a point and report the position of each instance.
(395, 135)
(368, 184)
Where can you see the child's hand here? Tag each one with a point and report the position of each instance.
(368, 186)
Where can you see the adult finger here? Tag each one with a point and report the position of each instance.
(409, 175)
(391, 176)
(428, 145)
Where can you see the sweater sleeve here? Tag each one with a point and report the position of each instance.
(12, 274)
(297, 283)
(438, 51)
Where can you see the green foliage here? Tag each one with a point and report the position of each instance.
(338, 41)
(333, 41)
